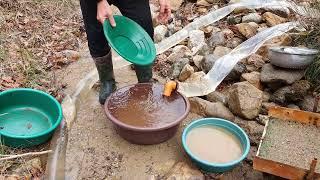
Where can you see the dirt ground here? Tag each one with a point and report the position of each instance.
(96, 151)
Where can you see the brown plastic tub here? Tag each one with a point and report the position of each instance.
(146, 135)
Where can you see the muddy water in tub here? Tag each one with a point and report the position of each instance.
(143, 105)
(214, 144)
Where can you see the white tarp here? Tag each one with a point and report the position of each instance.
(218, 14)
(224, 65)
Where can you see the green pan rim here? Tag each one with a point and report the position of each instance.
(53, 127)
(153, 49)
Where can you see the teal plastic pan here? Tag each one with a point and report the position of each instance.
(130, 41)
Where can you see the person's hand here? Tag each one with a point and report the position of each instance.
(165, 11)
(104, 12)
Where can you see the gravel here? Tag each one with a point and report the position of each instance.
(291, 143)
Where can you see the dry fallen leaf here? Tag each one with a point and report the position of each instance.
(10, 85)
(7, 79)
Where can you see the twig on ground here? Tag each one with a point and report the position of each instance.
(9, 157)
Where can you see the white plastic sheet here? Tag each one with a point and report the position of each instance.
(217, 15)
(224, 65)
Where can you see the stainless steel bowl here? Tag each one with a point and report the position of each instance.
(292, 57)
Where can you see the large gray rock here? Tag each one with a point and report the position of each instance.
(178, 52)
(197, 60)
(217, 39)
(186, 72)
(233, 42)
(245, 100)
(252, 17)
(160, 32)
(300, 89)
(178, 66)
(236, 72)
(280, 95)
(273, 19)
(212, 30)
(210, 109)
(196, 37)
(294, 93)
(208, 62)
(181, 48)
(220, 51)
(208, 30)
(173, 27)
(257, 61)
(278, 10)
(195, 77)
(253, 78)
(202, 49)
(216, 96)
(247, 30)
(228, 33)
(262, 27)
(254, 25)
(307, 104)
(276, 77)
(234, 19)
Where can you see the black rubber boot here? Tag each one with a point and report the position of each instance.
(106, 76)
(144, 73)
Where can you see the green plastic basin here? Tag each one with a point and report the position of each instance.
(28, 117)
(130, 41)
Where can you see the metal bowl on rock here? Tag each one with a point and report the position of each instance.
(292, 57)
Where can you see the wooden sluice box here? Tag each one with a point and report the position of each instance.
(290, 145)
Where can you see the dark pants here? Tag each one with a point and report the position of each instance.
(137, 10)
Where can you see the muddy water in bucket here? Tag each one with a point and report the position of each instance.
(144, 106)
(214, 144)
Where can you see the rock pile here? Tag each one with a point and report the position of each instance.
(254, 84)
